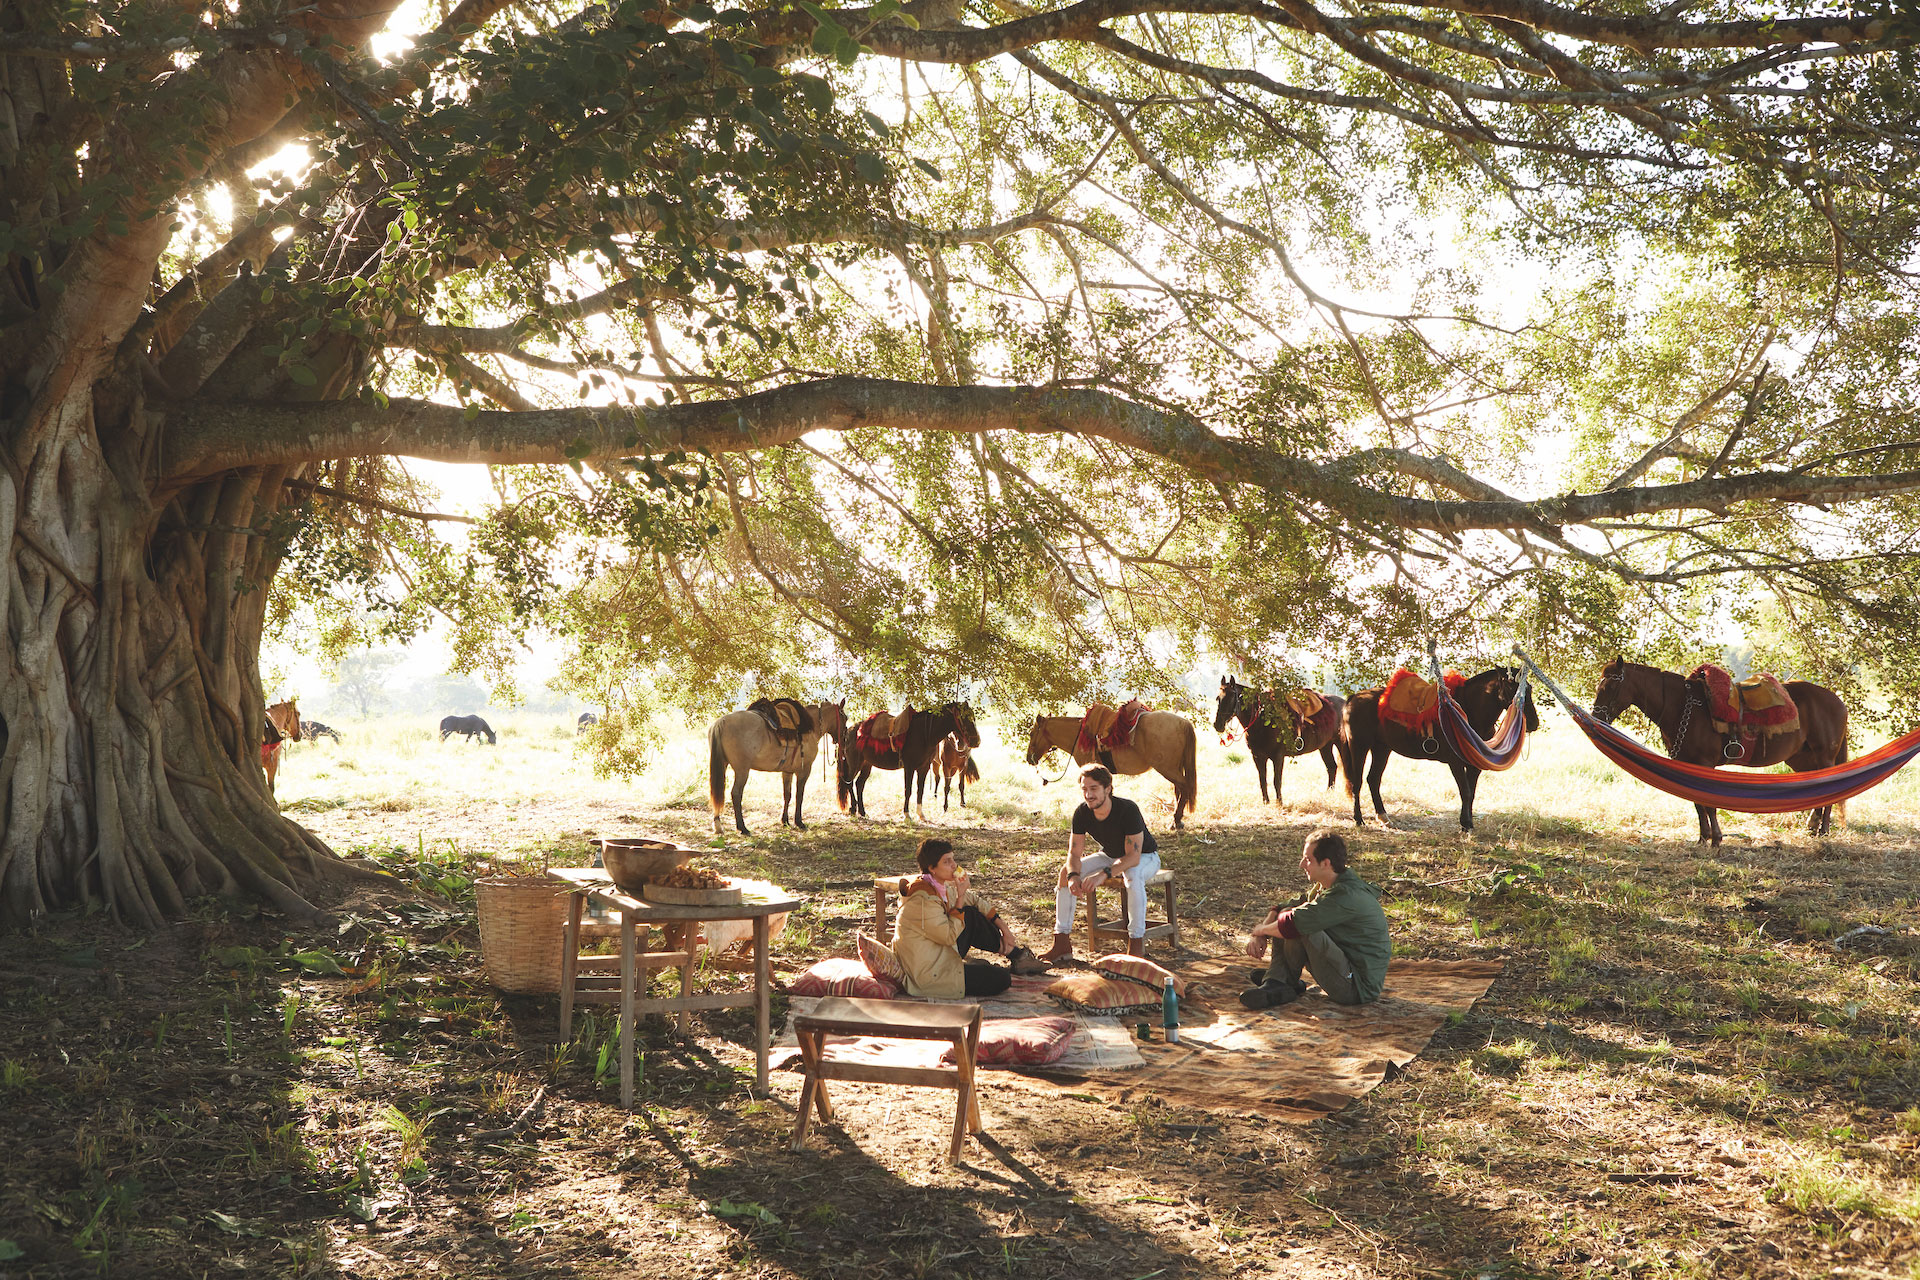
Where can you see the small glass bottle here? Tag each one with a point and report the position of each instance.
(1170, 1011)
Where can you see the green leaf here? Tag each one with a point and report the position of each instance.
(318, 962)
(302, 375)
(11, 1252)
(744, 1209)
(236, 1226)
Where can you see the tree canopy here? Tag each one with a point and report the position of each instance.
(903, 346)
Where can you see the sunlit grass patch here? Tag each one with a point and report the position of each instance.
(1820, 1185)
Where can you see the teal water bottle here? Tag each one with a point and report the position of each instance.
(1170, 1011)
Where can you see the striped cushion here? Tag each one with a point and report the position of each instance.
(844, 976)
(1097, 993)
(880, 960)
(1142, 970)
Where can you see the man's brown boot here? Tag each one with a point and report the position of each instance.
(1062, 949)
(1136, 946)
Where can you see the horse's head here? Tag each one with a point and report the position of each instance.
(831, 719)
(963, 726)
(1037, 743)
(1491, 692)
(1229, 705)
(1614, 693)
(286, 718)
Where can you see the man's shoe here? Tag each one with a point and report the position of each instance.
(1062, 949)
(1023, 961)
(1270, 995)
(1258, 975)
(1136, 946)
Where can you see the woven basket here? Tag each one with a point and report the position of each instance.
(521, 924)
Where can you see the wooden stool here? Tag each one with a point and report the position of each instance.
(885, 887)
(957, 1024)
(1168, 928)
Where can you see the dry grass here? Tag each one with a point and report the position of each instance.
(1679, 1072)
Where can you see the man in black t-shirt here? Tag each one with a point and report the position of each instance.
(1127, 854)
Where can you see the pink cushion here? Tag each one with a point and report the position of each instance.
(1096, 993)
(1142, 970)
(843, 976)
(1024, 1042)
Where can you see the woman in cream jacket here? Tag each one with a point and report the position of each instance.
(941, 919)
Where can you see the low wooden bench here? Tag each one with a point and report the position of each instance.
(1116, 930)
(957, 1024)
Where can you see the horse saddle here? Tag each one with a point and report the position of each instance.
(788, 719)
(884, 731)
(1097, 725)
(1305, 703)
(1759, 704)
(1414, 703)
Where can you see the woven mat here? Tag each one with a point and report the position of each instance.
(1299, 1062)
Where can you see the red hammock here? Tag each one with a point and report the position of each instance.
(1740, 792)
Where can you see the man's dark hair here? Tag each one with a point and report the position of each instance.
(1328, 846)
(931, 850)
(1100, 774)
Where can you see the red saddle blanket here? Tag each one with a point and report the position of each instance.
(1106, 728)
(1759, 704)
(1414, 703)
(883, 731)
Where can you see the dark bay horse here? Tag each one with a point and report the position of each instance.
(954, 759)
(915, 758)
(1364, 733)
(1274, 732)
(1678, 707)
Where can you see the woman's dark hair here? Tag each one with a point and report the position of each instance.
(931, 850)
(1328, 846)
(1100, 774)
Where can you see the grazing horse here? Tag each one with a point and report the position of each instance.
(1162, 741)
(744, 740)
(472, 726)
(954, 758)
(1261, 713)
(1678, 707)
(1363, 732)
(915, 758)
(313, 731)
(586, 721)
(282, 727)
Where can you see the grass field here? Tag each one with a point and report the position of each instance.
(1678, 1073)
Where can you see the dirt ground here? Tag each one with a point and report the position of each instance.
(1691, 1065)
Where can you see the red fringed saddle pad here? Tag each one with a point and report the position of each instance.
(1414, 703)
(1757, 704)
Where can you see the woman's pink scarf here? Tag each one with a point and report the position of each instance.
(939, 887)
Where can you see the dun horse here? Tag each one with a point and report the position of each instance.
(283, 726)
(954, 759)
(744, 740)
(915, 758)
(1258, 712)
(1678, 707)
(1363, 733)
(1162, 741)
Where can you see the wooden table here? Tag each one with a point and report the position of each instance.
(957, 1024)
(681, 926)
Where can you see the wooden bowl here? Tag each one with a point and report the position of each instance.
(631, 863)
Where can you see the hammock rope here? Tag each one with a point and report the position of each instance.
(1741, 793)
(1489, 755)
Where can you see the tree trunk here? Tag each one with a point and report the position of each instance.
(131, 714)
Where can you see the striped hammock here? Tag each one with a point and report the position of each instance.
(1502, 751)
(1740, 792)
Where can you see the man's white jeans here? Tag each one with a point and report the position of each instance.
(1136, 884)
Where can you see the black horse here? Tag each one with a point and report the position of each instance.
(1363, 733)
(469, 725)
(586, 720)
(314, 730)
(915, 758)
(1274, 732)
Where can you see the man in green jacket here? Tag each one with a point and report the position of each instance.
(1340, 936)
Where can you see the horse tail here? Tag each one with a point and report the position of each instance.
(1189, 771)
(972, 771)
(1840, 810)
(716, 770)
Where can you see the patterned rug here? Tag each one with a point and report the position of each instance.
(1306, 1060)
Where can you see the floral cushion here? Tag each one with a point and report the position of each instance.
(1140, 969)
(1024, 1042)
(880, 960)
(844, 976)
(1097, 993)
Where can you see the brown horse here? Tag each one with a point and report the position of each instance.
(743, 740)
(1364, 733)
(1274, 732)
(283, 726)
(915, 758)
(1678, 706)
(1162, 741)
(954, 759)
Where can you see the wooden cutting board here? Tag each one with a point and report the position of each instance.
(672, 896)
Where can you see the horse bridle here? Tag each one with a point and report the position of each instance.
(1610, 714)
